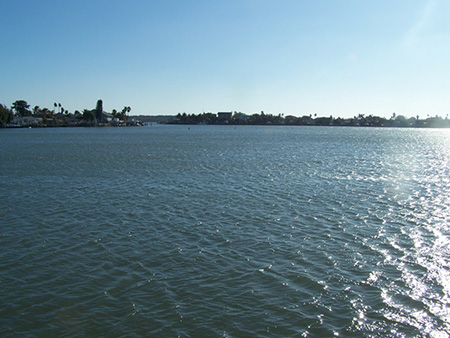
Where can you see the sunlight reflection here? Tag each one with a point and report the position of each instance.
(419, 236)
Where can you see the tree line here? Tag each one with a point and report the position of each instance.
(59, 116)
(362, 120)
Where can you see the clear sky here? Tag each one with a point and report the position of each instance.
(330, 57)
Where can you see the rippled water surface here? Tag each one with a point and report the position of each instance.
(217, 231)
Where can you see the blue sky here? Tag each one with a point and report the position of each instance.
(295, 57)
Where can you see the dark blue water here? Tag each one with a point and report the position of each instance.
(216, 231)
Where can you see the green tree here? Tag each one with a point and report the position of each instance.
(21, 108)
(401, 121)
(89, 116)
(46, 113)
(36, 111)
(5, 115)
(124, 112)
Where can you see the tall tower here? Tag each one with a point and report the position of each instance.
(99, 110)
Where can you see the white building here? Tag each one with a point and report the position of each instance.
(26, 120)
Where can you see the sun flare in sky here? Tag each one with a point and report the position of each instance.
(339, 58)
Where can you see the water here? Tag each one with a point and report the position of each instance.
(217, 231)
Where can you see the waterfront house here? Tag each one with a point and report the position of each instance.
(25, 121)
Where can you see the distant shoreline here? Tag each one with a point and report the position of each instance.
(280, 120)
(21, 116)
(234, 119)
(145, 122)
